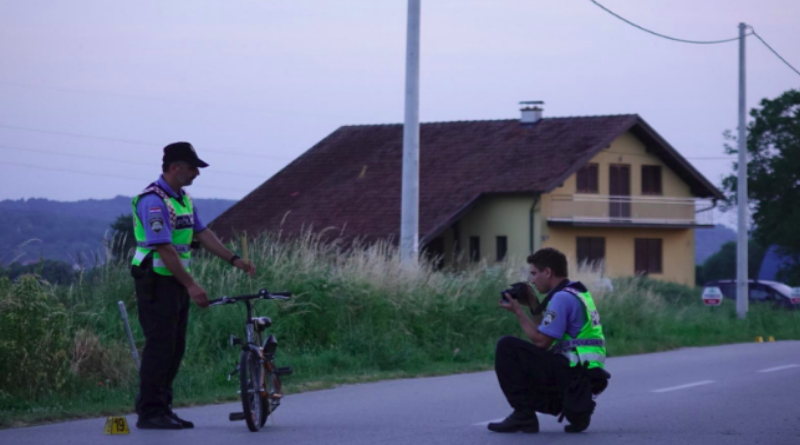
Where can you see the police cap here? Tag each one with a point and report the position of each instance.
(182, 151)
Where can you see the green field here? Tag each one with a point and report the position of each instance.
(358, 316)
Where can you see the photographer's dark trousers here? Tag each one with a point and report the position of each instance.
(531, 378)
(163, 314)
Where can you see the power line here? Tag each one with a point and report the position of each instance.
(664, 36)
(773, 51)
(120, 161)
(697, 42)
(130, 178)
(131, 141)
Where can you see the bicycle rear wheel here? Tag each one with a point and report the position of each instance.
(250, 389)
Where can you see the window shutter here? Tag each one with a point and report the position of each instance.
(656, 180)
(582, 180)
(640, 255)
(655, 256)
(502, 247)
(598, 249)
(583, 250)
(591, 250)
(587, 179)
(651, 180)
(474, 248)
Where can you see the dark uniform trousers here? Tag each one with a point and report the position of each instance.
(163, 314)
(531, 378)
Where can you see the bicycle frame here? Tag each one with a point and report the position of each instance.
(264, 351)
(249, 326)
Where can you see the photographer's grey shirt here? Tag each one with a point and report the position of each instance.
(564, 313)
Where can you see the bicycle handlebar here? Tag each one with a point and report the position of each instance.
(263, 294)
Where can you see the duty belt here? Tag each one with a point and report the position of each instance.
(569, 344)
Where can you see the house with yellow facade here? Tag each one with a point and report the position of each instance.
(606, 190)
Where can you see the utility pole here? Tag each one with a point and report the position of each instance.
(742, 291)
(409, 224)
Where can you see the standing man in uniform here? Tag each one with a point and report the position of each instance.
(561, 368)
(165, 224)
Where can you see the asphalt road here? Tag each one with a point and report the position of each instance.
(737, 394)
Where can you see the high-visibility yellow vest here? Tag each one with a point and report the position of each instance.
(181, 219)
(590, 344)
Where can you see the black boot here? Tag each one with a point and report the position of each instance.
(158, 423)
(184, 423)
(578, 424)
(525, 421)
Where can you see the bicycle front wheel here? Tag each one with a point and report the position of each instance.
(273, 390)
(250, 389)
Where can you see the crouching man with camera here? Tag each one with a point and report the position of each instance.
(561, 369)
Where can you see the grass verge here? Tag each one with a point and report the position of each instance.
(358, 316)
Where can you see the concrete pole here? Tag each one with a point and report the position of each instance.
(409, 225)
(742, 293)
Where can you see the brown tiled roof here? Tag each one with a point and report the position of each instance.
(351, 180)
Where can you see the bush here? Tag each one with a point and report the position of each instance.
(34, 344)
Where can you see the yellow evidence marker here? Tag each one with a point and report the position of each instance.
(117, 425)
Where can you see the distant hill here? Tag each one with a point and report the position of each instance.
(709, 241)
(34, 228)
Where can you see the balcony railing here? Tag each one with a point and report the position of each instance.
(630, 210)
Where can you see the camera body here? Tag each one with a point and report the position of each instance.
(519, 291)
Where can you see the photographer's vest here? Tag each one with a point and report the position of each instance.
(181, 220)
(590, 344)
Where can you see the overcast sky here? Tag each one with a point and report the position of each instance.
(270, 78)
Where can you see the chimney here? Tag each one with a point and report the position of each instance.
(531, 111)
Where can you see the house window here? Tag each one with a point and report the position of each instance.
(474, 248)
(587, 179)
(651, 180)
(591, 250)
(434, 252)
(649, 256)
(502, 247)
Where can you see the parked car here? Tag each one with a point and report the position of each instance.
(760, 291)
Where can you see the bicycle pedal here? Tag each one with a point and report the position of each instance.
(286, 370)
(233, 417)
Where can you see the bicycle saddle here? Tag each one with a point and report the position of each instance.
(262, 323)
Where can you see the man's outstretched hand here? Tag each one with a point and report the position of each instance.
(245, 266)
(198, 295)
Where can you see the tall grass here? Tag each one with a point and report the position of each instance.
(358, 314)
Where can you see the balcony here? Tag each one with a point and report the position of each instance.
(641, 211)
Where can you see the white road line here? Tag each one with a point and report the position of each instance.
(688, 385)
(488, 422)
(779, 368)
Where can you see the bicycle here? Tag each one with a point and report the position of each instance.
(259, 378)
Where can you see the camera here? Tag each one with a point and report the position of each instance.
(519, 291)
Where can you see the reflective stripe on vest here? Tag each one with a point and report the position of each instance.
(568, 344)
(180, 212)
(591, 357)
(589, 346)
(141, 254)
(160, 263)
